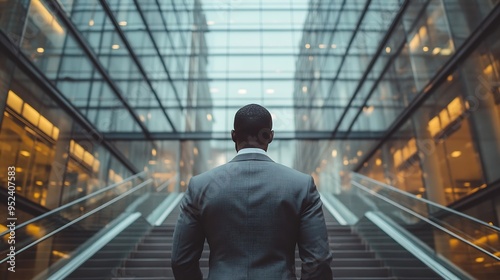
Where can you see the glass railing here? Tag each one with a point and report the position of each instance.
(56, 236)
(468, 243)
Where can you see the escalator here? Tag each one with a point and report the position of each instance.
(128, 236)
(353, 258)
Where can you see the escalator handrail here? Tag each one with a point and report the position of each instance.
(428, 202)
(358, 185)
(65, 206)
(100, 207)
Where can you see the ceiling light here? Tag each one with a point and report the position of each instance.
(425, 49)
(115, 46)
(334, 46)
(322, 46)
(25, 153)
(304, 89)
(436, 51)
(91, 22)
(153, 152)
(388, 49)
(209, 117)
(467, 184)
(308, 46)
(359, 153)
(334, 153)
(378, 162)
(456, 154)
(122, 23)
(346, 162)
(446, 51)
(270, 91)
(40, 50)
(210, 22)
(242, 91)
(368, 109)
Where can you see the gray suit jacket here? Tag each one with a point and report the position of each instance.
(253, 212)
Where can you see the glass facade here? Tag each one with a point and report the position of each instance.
(405, 92)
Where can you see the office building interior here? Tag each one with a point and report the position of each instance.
(109, 107)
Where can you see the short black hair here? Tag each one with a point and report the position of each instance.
(253, 120)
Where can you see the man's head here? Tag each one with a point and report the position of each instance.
(252, 127)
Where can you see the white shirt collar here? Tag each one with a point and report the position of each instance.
(251, 150)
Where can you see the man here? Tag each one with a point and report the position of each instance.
(253, 212)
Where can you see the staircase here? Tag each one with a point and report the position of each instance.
(352, 257)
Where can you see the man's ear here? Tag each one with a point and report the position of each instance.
(233, 135)
(271, 136)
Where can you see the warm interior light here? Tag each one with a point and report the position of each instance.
(153, 152)
(122, 23)
(39, 183)
(467, 184)
(446, 51)
(15, 102)
(455, 108)
(152, 162)
(368, 109)
(334, 46)
(346, 162)
(60, 254)
(304, 89)
(449, 78)
(30, 114)
(209, 117)
(480, 259)
(24, 153)
(40, 50)
(456, 154)
(91, 22)
(359, 153)
(334, 153)
(308, 46)
(322, 46)
(378, 162)
(115, 46)
(488, 70)
(195, 151)
(88, 158)
(46, 16)
(425, 48)
(388, 49)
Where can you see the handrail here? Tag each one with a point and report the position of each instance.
(62, 207)
(428, 202)
(141, 185)
(424, 219)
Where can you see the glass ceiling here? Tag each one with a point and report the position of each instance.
(171, 62)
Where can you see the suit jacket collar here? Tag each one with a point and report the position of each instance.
(251, 156)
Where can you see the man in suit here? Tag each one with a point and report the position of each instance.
(253, 212)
